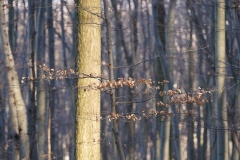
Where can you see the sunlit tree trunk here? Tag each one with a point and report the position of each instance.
(220, 64)
(11, 42)
(87, 118)
(17, 107)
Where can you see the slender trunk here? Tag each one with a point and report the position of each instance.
(236, 149)
(31, 73)
(190, 143)
(165, 131)
(63, 35)
(118, 74)
(72, 83)
(41, 93)
(2, 121)
(130, 60)
(11, 23)
(170, 36)
(111, 78)
(221, 104)
(51, 55)
(49, 153)
(161, 71)
(170, 49)
(16, 103)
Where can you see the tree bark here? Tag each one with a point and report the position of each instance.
(170, 49)
(41, 92)
(51, 55)
(63, 35)
(87, 120)
(11, 23)
(190, 142)
(2, 120)
(16, 103)
(220, 64)
(31, 73)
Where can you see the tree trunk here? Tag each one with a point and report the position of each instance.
(111, 78)
(190, 142)
(169, 40)
(220, 64)
(11, 23)
(51, 54)
(16, 103)
(63, 35)
(41, 92)
(161, 73)
(87, 118)
(2, 121)
(31, 73)
(129, 58)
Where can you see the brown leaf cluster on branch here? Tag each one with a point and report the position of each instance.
(51, 73)
(177, 96)
(138, 116)
(184, 98)
(121, 82)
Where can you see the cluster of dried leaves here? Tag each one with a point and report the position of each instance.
(176, 96)
(147, 113)
(50, 74)
(121, 82)
(138, 116)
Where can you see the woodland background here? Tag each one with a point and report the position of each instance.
(183, 56)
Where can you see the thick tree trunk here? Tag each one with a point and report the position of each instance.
(16, 103)
(88, 62)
